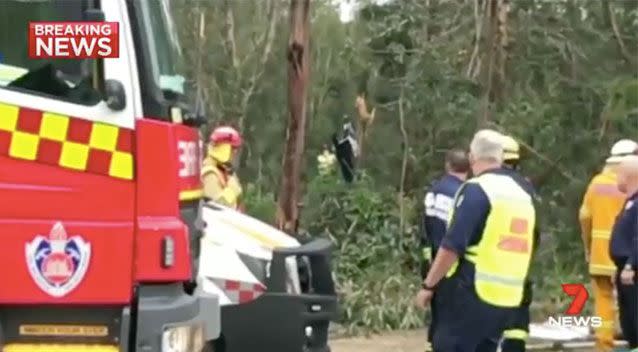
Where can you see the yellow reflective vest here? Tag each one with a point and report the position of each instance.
(502, 257)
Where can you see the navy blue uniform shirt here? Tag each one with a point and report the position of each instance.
(439, 201)
(468, 223)
(624, 237)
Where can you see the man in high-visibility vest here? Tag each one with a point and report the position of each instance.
(517, 332)
(486, 253)
(220, 180)
(601, 204)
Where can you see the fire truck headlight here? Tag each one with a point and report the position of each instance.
(183, 338)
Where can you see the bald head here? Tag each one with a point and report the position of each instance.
(628, 174)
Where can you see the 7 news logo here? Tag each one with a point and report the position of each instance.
(573, 317)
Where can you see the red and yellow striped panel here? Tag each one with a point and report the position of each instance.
(66, 141)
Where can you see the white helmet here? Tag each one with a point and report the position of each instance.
(621, 149)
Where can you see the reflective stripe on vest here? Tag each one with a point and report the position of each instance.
(502, 257)
(604, 234)
(515, 334)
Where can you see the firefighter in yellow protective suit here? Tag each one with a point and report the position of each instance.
(601, 204)
(221, 183)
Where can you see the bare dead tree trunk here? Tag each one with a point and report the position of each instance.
(298, 76)
(487, 69)
(502, 40)
(229, 34)
(493, 68)
(404, 162)
(475, 61)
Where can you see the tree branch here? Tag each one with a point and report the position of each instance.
(318, 102)
(201, 43)
(542, 157)
(614, 26)
(273, 11)
(229, 34)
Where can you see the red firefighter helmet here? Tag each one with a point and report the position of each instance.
(225, 134)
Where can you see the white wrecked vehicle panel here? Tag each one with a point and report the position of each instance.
(235, 255)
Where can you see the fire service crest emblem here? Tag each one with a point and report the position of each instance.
(57, 263)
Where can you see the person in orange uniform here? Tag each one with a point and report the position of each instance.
(601, 204)
(220, 180)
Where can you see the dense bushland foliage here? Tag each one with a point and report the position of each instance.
(559, 75)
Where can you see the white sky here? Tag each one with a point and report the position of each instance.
(347, 8)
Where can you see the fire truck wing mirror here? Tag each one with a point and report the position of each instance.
(114, 95)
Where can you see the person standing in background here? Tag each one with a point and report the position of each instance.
(624, 250)
(221, 183)
(438, 202)
(517, 332)
(601, 204)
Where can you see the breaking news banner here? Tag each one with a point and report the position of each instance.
(74, 40)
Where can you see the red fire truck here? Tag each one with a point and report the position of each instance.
(99, 189)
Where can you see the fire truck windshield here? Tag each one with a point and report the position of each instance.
(57, 78)
(166, 57)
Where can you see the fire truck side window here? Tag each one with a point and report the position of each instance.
(70, 80)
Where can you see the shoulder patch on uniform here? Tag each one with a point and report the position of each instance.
(629, 204)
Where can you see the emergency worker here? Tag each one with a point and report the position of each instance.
(438, 204)
(624, 250)
(486, 253)
(326, 161)
(517, 332)
(601, 204)
(220, 180)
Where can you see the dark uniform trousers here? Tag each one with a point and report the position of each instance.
(464, 322)
(519, 321)
(425, 268)
(628, 310)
